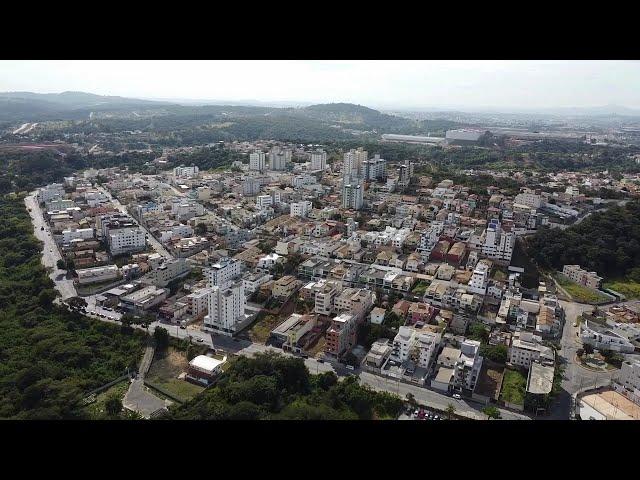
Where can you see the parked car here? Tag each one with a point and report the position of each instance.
(199, 340)
(457, 396)
(350, 367)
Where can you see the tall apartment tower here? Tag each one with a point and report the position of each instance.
(352, 194)
(353, 162)
(318, 160)
(279, 158)
(227, 301)
(257, 161)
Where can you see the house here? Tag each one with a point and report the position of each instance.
(421, 312)
(603, 337)
(377, 315)
(526, 348)
(378, 354)
(204, 370)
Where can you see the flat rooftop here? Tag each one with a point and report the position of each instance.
(613, 405)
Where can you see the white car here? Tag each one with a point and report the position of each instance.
(575, 324)
(457, 396)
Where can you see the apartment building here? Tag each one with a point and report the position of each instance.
(583, 277)
(526, 348)
(187, 172)
(223, 271)
(252, 281)
(528, 199)
(168, 271)
(415, 345)
(198, 302)
(318, 160)
(301, 209)
(126, 240)
(324, 297)
(74, 234)
(628, 380)
(257, 161)
(226, 309)
(467, 367)
(480, 278)
(285, 286)
(143, 299)
(341, 335)
(498, 244)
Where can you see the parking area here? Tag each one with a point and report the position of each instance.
(421, 413)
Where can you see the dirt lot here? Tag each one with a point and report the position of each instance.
(164, 372)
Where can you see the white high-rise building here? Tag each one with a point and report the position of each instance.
(498, 244)
(318, 160)
(375, 168)
(353, 161)
(257, 161)
(223, 272)
(279, 158)
(352, 195)
(479, 278)
(226, 309)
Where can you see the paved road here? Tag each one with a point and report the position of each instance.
(433, 399)
(50, 252)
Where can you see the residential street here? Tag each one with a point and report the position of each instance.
(50, 252)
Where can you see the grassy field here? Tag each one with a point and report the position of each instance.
(579, 292)
(164, 372)
(514, 385)
(420, 288)
(96, 410)
(628, 288)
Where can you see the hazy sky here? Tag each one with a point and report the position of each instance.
(376, 83)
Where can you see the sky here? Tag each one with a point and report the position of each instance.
(419, 84)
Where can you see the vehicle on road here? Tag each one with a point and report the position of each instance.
(320, 360)
(182, 327)
(575, 324)
(350, 367)
(199, 340)
(457, 396)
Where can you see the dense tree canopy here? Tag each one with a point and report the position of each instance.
(607, 242)
(49, 357)
(272, 386)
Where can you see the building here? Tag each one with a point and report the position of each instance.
(540, 379)
(528, 199)
(257, 161)
(279, 158)
(188, 172)
(285, 286)
(126, 240)
(480, 278)
(628, 381)
(97, 274)
(301, 209)
(583, 277)
(205, 369)
(415, 345)
(352, 195)
(198, 302)
(462, 137)
(252, 281)
(353, 160)
(378, 354)
(223, 271)
(527, 348)
(292, 330)
(168, 271)
(377, 315)
(143, 299)
(603, 337)
(318, 160)
(498, 245)
(445, 369)
(226, 309)
(375, 168)
(341, 335)
(467, 367)
(75, 234)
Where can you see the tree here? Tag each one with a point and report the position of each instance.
(201, 228)
(161, 336)
(113, 405)
(412, 400)
(61, 265)
(77, 302)
(477, 331)
(71, 265)
(588, 349)
(491, 412)
(451, 409)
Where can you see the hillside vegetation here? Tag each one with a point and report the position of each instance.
(49, 357)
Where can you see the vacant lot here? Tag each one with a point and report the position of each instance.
(164, 372)
(579, 292)
(514, 385)
(628, 288)
(261, 329)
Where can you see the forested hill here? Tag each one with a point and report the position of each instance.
(49, 357)
(607, 242)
